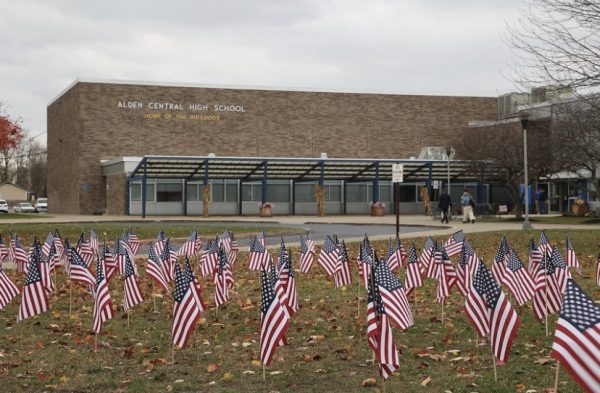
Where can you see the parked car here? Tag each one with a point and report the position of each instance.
(24, 207)
(41, 205)
(3, 206)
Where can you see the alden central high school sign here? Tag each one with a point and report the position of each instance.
(177, 106)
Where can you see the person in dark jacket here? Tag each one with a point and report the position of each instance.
(444, 204)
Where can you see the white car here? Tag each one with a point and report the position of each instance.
(41, 205)
(24, 207)
(3, 206)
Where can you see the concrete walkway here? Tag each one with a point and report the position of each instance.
(413, 220)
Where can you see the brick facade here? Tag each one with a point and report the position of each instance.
(86, 124)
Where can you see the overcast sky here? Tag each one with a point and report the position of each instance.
(396, 46)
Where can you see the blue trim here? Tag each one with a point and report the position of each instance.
(375, 191)
(144, 186)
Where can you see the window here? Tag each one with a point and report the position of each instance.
(332, 192)
(356, 192)
(408, 193)
(224, 191)
(305, 192)
(136, 192)
(278, 192)
(169, 192)
(191, 193)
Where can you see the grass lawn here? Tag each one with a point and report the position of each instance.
(14, 216)
(565, 220)
(145, 231)
(327, 349)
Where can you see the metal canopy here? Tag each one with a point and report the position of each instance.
(306, 169)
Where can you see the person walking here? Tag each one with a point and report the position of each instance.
(444, 204)
(467, 205)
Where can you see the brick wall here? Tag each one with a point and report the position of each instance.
(275, 123)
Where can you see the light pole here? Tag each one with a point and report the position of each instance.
(524, 116)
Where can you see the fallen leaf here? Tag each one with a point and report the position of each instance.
(212, 368)
(369, 382)
(520, 387)
(426, 381)
(179, 381)
(275, 372)
(227, 376)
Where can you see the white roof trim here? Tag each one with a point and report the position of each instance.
(251, 87)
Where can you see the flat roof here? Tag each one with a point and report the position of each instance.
(302, 169)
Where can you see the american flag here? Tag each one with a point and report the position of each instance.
(3, 249)
(223, 278)
(8, 290)
(328, 257)
(310, 243)
(517, 279)
(572, 260)
(191, 246)
(259, 256)
(103, 307)
(47, 244)
(19, 256)
(133, 241)
(196, 287)
(535, 257)
(84, 248)
(561, 270)
(491, 312)
(274, 320)
(233, 250)
(445, 275)
(306, 256)
(467, 264)
(365, 261)
(53, 258)
(132, 295)
(161, 239)
(287, 277)
(110, 264)
(68, 258)
(34, 299)
(379, 332)
(209, 258)
(453, 245)
(78, 269)
(427, 256)
(547, 296)
(93, 240)
(414, 273)
(598, 270)
(394, 259)
(225, 240)
(44, 265)
(545, 245)
(393, 297)
(280, 292)
(576, 341)
(169, 259)
(343, 276)
(185, 307)
(499, 265)
(155, 270)
(60, 248)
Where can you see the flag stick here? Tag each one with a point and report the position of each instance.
(383, 388)
(494, 361)
(556, 377)
(443, 301)
(127, 318)
(546, 302)
(173, 356)
(358, 297)
(96, 342)
(70, 296)
(415, 299)
(263, 367)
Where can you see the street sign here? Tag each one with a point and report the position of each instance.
(397, 173)
(436, 184)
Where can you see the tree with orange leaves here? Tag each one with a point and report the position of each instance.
(11, 132)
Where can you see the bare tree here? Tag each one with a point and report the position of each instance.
(500, 145)
(557, 42)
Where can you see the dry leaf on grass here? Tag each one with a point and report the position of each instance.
(212, 368)
(369, 382)
(426, 381)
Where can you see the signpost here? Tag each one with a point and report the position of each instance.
(397, 178)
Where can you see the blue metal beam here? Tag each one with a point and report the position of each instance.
(375, 190)
(144, 186)
(263, 188)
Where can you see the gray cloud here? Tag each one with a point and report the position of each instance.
(428, 47)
